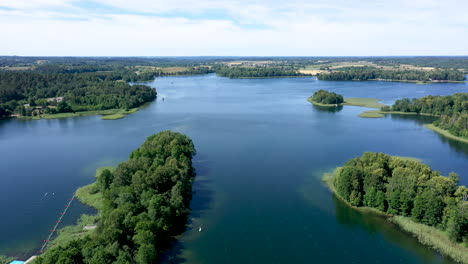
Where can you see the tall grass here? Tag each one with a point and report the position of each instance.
(433, 238)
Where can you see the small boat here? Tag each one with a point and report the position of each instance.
(199, 229)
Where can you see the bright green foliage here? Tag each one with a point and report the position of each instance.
(146, 203)
(325, 97)
(406, 187)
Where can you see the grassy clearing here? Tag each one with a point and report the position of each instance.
(110, 114)
(364, 102)
(90, 194)
(372, 114)
(446, 133)
(73, 232)
(113, 117)
(426, 235)
(432, 237)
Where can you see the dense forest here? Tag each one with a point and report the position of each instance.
(452, 109)
(145, 204)
(372, 73)
(325, 97)
(32, 93)
(406, 187)
(257, 72)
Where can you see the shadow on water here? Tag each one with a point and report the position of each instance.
(418, 119)
(328, 109)
(376, 225)
(202, 201)
(459, 147)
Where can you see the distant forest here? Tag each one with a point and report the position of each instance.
(29, 93)
(452, 109)
(258, 72)
(446, 62)
(372, 73)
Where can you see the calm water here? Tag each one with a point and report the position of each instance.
(262, 149)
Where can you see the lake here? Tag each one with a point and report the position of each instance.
(261, 152)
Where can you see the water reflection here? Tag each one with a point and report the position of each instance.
(459, 147)
(378, 225)
(328, 108)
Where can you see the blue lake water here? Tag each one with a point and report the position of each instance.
(262, 149)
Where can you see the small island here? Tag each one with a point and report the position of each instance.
(142, 205)
(432, 207)
(326, 98)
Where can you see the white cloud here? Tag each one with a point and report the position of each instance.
(296, 27)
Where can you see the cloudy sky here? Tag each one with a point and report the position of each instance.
(234, 28)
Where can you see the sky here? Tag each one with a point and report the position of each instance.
(233, 28)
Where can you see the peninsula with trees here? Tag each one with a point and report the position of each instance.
(142, 204)
(452, 111)
(434, 208)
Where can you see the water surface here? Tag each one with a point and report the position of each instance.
(262, 149)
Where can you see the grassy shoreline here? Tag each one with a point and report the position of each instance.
(86, 224)
(355, 101)
(445, 133)
(426, 235)
(109, 114)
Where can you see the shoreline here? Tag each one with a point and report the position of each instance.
(353, 101)
(445, 133)
(426, 235)
(108, 114)
(86, 224)
(403, 81)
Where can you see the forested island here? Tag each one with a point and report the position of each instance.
(372, 73)
(143, 204)
(420, 200)
(452, 111)
(325, 98)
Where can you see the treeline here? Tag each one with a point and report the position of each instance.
(31, 93)
(372, 73)
(257, 72)
(145, 204)
(405, 187)
(452, 109)
(325, 97)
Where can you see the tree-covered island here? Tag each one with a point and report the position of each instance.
(432, 207)
(143, 204)
(325, 98)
